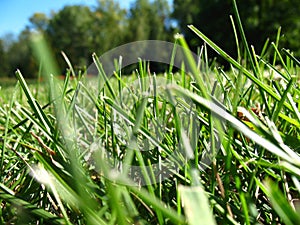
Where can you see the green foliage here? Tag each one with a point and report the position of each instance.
(211, 16)
(39, 21)
(49, 172)
(148, 20)
(59, 161)
(20, 56)
(260, 18)
(4, 61)
(70, 31)
(79, 31)
(109, 26)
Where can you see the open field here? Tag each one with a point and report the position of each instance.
(210, 147)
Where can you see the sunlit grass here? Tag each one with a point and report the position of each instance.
(222, 146)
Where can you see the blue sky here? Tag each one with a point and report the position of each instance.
(15, 13)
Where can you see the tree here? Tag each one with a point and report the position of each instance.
(70, 31)
(79, 31)
(4, 67)
(261, 19)
(39, 22)
(109, 26)
(274, 14)
(20, 56)
(148, 20)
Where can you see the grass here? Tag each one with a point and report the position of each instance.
(63, 144)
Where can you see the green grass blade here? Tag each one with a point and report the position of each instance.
(281, 205)
(259, 83)
(244, 40)
(237, 124)
(287, 52)
(33, 103)
(7, 195)
(196, 206)
(281, 102)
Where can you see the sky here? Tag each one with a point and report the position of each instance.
(15, 13)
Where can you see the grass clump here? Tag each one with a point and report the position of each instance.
(222, 146)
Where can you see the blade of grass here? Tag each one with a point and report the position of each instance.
(243, 200)
(8, 196)
(286, 52)
(279, 105)
(236, 124)
(196, 206)
(44, 122)
(259, 83)
(6, 129)
(244, 40)
(280, 204)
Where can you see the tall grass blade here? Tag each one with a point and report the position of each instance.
(196, 206)
(241, 68)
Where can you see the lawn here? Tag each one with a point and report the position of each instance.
(213, 146)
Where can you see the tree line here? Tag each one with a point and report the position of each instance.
(81, 30)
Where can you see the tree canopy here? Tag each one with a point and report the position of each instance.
(261, 20)
(80, 30)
